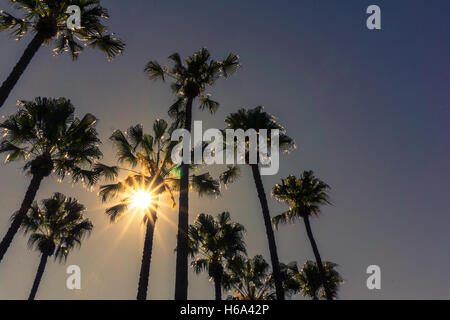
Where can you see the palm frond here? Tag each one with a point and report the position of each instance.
(117, 211)
(205, 184)
(230, 175)
(155, 71)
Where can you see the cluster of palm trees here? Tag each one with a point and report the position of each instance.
(50, 140)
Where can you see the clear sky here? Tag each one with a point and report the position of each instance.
(369, 111)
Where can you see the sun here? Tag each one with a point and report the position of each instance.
(141, 199)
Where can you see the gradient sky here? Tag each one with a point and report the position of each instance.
(369, 111)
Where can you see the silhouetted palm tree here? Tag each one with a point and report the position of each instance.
(257, 119)
(304, 196)
(46, 135)
(55, 228)
(48, 20)
(310, 281)
(190, 80)
(157, 175)
(250, 279)
(212, 243)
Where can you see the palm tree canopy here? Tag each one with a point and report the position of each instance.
(49, 18)
(304, 196)
(149, 152)
(48, 137)
(191, 77)
(213, 241)
(249, 278)
(310, 282)
(148, 157)
(258, 119)
(57, 226)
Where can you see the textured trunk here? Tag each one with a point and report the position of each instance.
(269, 231)
(37, 279)
(146, 257)
(318, 259)
(181, 276)
(218, 288)
(16, 223)
(20, 67)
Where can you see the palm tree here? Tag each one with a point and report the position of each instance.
(212, 243)
(257, 119)
(250, 279)
(55, 228)
(46, 135)
(189, 81)
(310, 282)
(157, 176)
(304, 196)
(48, 20)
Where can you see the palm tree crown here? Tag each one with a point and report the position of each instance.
(213, 242)
(48, 18)
(151, 153)
(304, 196)
(191, 78)
(150, 167)
(57, 226)
(258, 119)
(250, 279)
(310, 282)
(46, 135)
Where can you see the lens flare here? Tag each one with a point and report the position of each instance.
(141, 199)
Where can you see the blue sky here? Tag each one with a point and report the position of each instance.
(369, 111)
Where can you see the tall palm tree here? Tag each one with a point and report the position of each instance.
(48, 20)
(55, 228)
(189, 82)
(304, 196)
(212, 243)
(310, 282)
(45, 134)
(156, 176)
(250, 279)
(257, 119)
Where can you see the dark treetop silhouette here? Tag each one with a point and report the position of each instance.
(214, 241)
(50, 139)
(249, 279)
(190, 80)
(308, 280)
(258, 119)
(55, 228)
(48, 20)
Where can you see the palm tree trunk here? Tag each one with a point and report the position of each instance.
(20, 67)
(37, 279)
(146, 258)
(318, 259)
(17, 221)
(269, 231)
(218, 288)
(181, 276)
